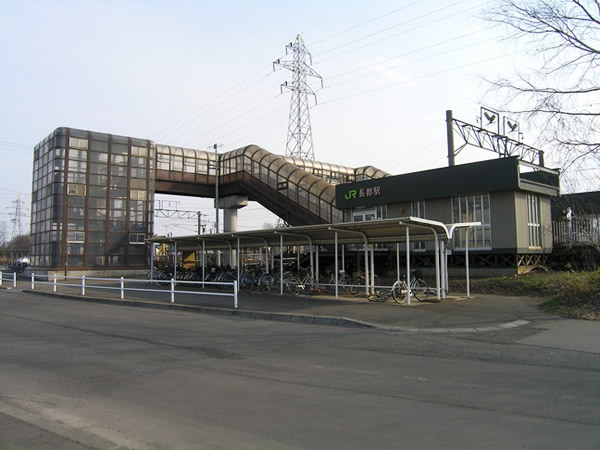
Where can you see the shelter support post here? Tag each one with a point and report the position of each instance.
(443, 267)
(315, 274)
(366, 242)
(397, 260)
(437, 265)
(175, 262)
(152, 247)
(237, 261)
(203, 263)
(372, 264)
(408, 265)
(436, 256)
(468, 232)
(336, 264)
(281, 264)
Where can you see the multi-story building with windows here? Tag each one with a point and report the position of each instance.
(92, 201)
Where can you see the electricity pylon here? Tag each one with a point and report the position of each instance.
(16, 220)
(299, 140)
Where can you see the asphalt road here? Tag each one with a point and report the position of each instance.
(85, 375)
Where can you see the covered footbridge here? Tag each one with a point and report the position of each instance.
(301, 192)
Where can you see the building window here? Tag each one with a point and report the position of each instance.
(76, 189)
(140, 152)
(533, 221)
(417, 209)
(137, 194)
(78, 143)
(76, 236)
(176, 163)
(363, 214)
(138, 172)
(473, 208)
(163, 161)
(137, 238)
(119, 159)
(189, 165)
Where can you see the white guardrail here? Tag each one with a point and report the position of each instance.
(83, 284)
(8, 277)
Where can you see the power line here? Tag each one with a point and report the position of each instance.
(207, 109)
(367, 21)
(251, 110)
(12, 144)
(414, 79)
(221, 99)
(16, 192)
(391, 36)
(445, 41)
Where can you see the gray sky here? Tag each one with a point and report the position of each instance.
(195, 73)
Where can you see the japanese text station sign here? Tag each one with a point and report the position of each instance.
(351, 195)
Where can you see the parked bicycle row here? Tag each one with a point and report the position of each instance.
(254, 278)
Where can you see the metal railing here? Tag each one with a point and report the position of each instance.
(83, 283)
(9, 276)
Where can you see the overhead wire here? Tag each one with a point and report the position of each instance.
(412, 52)
(366, 22)
(451, 69)
(408, 63)
(253, 122)
(429, 23)
(206, 90)
(391, 36)
(222, 98)
(205, 108)
(194, 113)
(268, 100)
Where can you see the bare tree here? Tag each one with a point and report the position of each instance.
(561, 87)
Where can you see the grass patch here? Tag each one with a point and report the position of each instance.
(569, 294)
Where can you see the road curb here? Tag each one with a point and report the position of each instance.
(281, 317)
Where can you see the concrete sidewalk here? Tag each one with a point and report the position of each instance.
(454, 314)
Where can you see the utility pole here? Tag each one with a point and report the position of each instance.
(299, 140)
(217, 175)
(201, 226)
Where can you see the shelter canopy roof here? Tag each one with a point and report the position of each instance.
(376, 231)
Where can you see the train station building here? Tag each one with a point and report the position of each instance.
(93, 207)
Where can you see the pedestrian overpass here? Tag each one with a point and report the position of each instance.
(301, 192)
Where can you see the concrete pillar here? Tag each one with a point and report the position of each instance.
(230, 206)
(230, 220)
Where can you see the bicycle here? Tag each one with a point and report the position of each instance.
(358, 283)
(380, 295)
(344, 281)
(267, 281)
(419, 289)
(305, 284)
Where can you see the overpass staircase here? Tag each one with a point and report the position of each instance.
(301, 192)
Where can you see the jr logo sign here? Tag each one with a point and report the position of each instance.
(350, 194)
(363, 192)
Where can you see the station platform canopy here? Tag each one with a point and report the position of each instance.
(371, 232)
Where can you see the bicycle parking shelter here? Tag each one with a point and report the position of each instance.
(366, 234)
